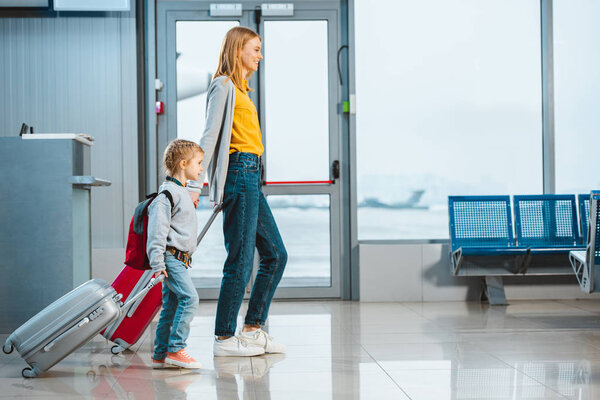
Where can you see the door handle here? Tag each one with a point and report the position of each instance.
(335, 169)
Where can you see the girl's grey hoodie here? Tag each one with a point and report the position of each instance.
(176, 228)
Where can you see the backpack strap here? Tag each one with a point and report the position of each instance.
(170, 197)
(141, 209)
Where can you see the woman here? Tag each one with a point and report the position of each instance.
(232, 143)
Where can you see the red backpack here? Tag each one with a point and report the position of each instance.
(135, 253)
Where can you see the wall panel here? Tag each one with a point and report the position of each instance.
(78, 74)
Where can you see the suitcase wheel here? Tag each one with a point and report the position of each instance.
(7, 350)
(91, 375)
(116, 349)
(28, 373)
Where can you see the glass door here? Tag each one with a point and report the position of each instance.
(299, 116)
(189, 42)
(296, 94)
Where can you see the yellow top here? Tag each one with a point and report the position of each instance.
(245, 135)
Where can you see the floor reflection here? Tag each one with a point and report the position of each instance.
(349, 350)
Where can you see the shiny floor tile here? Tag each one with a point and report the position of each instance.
(352, 350)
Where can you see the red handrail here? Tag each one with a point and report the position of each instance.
(294, 183)
(298, 182)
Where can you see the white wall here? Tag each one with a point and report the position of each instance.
(421, 272)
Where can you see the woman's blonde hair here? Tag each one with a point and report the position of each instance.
(230, 58)
(177, 150)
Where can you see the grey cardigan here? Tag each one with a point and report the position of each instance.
(216, 137)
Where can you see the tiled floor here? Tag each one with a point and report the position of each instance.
(350, 350)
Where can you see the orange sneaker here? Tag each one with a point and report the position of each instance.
(158, 364)
(182, 359)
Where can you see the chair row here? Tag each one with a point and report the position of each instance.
(483, 225)
(546, 228)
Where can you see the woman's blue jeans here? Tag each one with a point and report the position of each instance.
(180, 301)
(248, 224)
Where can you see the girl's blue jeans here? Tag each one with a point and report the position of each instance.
(180, 301)
(248, 224)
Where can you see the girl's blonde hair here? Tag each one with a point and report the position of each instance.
(177, 150)
(230, 58)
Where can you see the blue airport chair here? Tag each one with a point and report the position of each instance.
(546, 224)
(480, 225)
(585, 263)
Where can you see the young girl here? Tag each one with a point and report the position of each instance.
(234, 171)
(171, 241)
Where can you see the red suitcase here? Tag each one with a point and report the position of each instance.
(128, 329)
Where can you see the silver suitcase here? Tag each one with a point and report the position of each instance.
(67, 324)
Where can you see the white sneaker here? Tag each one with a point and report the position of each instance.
(236, 346)
(260, 338)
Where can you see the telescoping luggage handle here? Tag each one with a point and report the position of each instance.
(216, 211)
(134, 307)
(153, 282)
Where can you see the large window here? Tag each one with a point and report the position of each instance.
(198, 47)
(286, 124)
(448, 103)
(577, 94)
